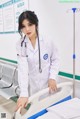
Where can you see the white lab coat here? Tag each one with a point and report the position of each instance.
(29, 78)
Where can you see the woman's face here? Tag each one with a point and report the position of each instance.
(28, 29)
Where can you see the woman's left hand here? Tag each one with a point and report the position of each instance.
(52, 85)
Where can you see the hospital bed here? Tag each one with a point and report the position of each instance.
(37, 103)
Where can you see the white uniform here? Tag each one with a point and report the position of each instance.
(29, 78)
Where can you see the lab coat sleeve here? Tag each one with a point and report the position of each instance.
(54, 62)
(22, 72)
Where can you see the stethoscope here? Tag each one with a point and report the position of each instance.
(25, 45)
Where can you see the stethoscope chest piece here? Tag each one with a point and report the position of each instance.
(40, 70)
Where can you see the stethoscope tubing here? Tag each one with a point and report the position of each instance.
(40, 69)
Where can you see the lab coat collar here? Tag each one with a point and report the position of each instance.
(29, 45)
(27, 39)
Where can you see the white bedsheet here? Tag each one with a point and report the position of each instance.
(67, 110)
(49, 115)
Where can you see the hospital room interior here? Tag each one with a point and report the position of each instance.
(59, 20)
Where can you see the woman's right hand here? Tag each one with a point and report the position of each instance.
(21, 103)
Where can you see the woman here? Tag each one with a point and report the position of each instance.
(41, 56)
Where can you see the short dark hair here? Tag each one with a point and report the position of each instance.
(30, 16)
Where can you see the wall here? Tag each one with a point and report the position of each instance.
(55, 21)
(9, 13)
